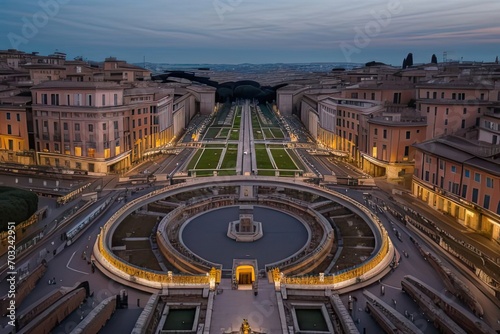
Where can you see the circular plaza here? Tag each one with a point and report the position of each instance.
(242, 228)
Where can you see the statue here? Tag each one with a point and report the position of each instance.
(245, 327)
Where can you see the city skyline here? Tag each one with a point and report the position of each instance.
(238, 31)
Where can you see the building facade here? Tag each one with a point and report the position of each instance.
(460, 179)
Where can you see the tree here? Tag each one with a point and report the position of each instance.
(496, 60)
(434, 59)
(404, 64)
(409, 59)
(16, 205)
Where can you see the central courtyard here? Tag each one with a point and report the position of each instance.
(205, 235)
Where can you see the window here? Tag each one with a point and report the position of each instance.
(441, 164)
(475, 193)
(407, 151)
(375, 131)
(467, 173)
(427, 175)
(77, 99)
(44, 98)
(408, 134)
(104, 126)
(103, 99)
(65, 126)
(434, 95)
(9, 129)
(385, 133)
(442, 95)
(8, 115)
(464, 191)
(453, 96)
(77, 126)
(115, 99)
(465, 111)
(146, 121)
(486, 202)
(91, 127)
(477, 177)
(18, 117)
(463, 124)
(89, 100)
(447, 111)
(446, 121)
(489, 182)
(54, 99)
(453, 169)
(11, 144)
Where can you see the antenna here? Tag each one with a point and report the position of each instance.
(144, 61)
(445, 56)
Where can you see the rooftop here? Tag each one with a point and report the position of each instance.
(78, 84)
(478, 154)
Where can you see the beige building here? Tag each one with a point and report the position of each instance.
(14, 136)
(390, 139)
(460, 178)
(121, 71)
(79, 125)
(343, 125)
(454, 107)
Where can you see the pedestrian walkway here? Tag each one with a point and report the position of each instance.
(232, 306)
(484, 244)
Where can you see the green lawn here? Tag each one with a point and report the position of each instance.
(234, 135)
(266, 172)
(296, 159)
(268, 133)
(263, 160)
(282, 159)
(209, 159)
(211, 133)
(229, 160)
(237, 119)
(227, 172)
(277, 133)
(223, 133)
(194, 159)
(257, 134)
(232, 146)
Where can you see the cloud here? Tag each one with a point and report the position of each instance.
(277, 26)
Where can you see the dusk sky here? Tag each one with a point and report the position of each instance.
(254, 31)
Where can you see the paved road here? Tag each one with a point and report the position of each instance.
(68, 268)
(416, 266)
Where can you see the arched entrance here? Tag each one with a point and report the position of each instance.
(245, 274)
